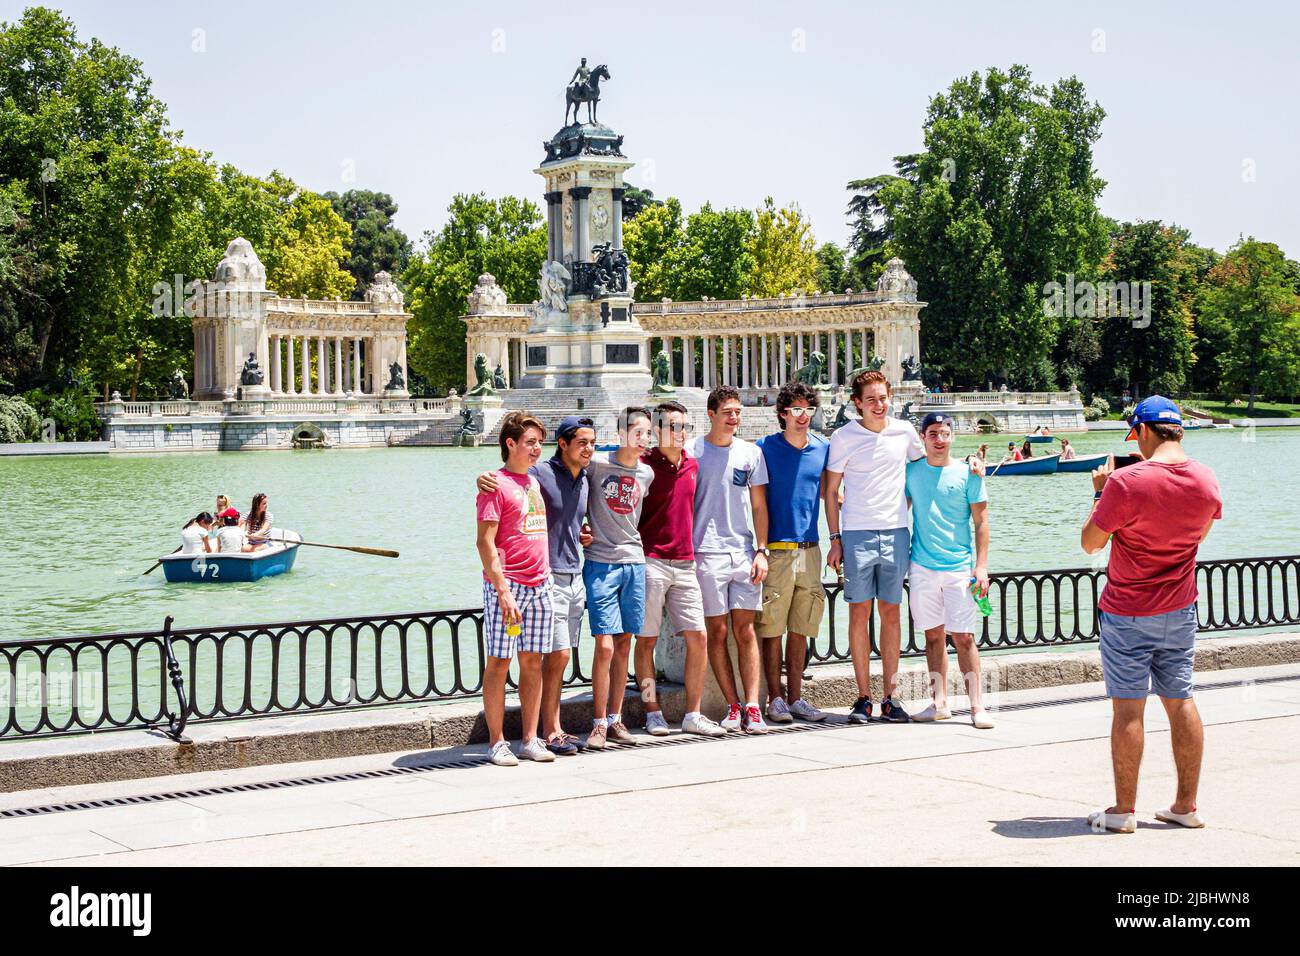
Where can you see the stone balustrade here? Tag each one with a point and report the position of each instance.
(435, 407)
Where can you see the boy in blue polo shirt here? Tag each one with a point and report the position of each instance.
(946, 500)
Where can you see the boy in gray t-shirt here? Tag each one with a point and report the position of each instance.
(614, 571)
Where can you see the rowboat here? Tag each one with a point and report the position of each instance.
(1038, 439)
(276, 558)
(1082, 463)
(1042, 465)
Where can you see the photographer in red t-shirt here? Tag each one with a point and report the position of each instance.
(1155, 514)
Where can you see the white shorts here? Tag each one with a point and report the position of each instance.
(942, 599)
(673, 587)
(725, 584)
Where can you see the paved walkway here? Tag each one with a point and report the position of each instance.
(918, 794)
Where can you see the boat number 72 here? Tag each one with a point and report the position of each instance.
(201, 567)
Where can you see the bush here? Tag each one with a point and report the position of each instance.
(18, 421)
(1096, 409)
(73, 413)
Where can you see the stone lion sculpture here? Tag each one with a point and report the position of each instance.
(483, 377)
(814, 372)
(663, 373)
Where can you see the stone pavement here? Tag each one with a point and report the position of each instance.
(911, 795)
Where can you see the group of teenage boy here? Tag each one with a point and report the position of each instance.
(716, 532)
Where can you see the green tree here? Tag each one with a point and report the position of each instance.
(715, 259)
(306, 260)
(1250, 302)
(832, 268)
(505, 237)
(783, 252)
(636, 200)
(1150, 351)
(377, 244)
(653, 240)
(1002, 201)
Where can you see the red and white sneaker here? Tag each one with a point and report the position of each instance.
(732, 720)
(754, 721)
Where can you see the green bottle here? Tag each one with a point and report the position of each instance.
(981, 601)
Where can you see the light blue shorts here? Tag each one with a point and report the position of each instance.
(569, 601)
(875, 563)
(615, 596)
(1141, 654)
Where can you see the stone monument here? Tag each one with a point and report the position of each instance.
(582, 331)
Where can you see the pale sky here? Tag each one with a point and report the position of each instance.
(720, 101)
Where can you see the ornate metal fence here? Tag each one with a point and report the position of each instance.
(164, 679)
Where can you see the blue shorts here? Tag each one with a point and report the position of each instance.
(1140, 654)
(875, 563)
(615, 596)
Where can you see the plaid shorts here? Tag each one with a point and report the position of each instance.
(537, 627)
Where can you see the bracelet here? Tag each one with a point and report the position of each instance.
(835, 536)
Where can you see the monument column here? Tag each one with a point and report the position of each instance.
(688, 361)
(848, 355)
(306, 367)
(710, 363)
(831, 358)
(762, 362)
(744, 373)
(581, 227)
(617, 195)
(554, 226)
(338, 365)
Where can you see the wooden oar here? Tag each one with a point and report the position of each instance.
(158, 564)
(380, 552)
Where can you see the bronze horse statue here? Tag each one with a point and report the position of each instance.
(588, 92)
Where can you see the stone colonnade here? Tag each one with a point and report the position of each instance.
(343, 364)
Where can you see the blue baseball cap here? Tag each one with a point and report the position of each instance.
(1154, 409)
(570, 424)
(936, 418)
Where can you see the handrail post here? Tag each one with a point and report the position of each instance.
(175, 723)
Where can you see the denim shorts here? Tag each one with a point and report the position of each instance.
(1141, 654)
(875, 563)
(615, 596)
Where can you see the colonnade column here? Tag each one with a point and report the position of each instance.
(322, 367)
(848, 355)
(276, 371)
(688, 362)
(290, 385)
(338, 365)
(356, 365)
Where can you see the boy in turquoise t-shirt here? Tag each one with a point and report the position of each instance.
(947, 499)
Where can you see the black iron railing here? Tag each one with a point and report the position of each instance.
(168, 678)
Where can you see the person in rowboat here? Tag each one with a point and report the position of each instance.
(1067, 450)
(194, 535)
(259, 521)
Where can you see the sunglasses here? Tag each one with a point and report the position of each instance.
(798, 411)
(678, 428)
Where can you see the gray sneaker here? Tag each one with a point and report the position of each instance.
(502, 756)
(655, 724)
(806, 711)
(778, 712)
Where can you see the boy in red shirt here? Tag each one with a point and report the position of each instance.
(1155, 514)
(517, 613)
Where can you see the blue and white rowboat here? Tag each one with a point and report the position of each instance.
(218, 568)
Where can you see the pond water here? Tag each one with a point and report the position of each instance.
(79, 531)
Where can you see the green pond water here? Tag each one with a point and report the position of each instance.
(78, 531)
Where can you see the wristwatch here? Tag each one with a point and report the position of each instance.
(835, 536)
(764, 551)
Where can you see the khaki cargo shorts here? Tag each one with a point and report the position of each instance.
(793, 599)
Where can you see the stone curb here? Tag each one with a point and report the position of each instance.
(99, 758)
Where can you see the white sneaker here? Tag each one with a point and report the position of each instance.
(699, 724)
(778, 712)
(502, 756)
(655, 724)
(933, 713)
(1191, 819)
(806, 711)
(536, 750)
(754, 721)
(732, 720)
(981, 719)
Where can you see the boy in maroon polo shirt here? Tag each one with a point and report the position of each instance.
(671, 586)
